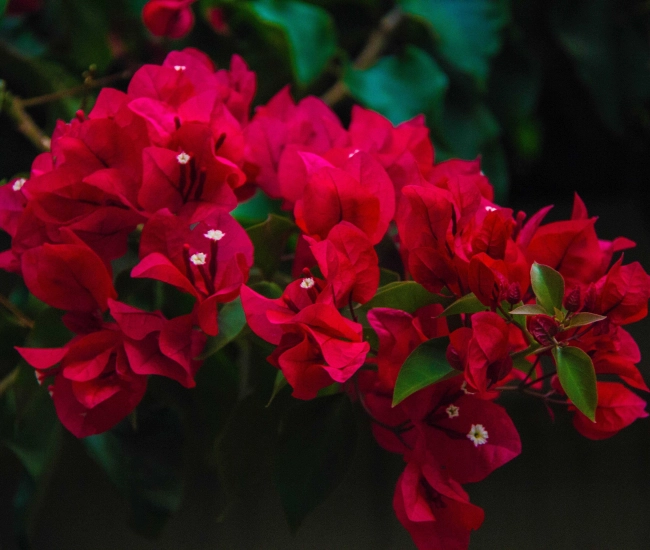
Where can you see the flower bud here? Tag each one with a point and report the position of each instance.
(513, 295)
(453, 357)
(543, 328)
(572, 300)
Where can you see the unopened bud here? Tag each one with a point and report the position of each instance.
(590, 300)
(572, 301)
(513, 295)
(543, 328)
(453, 357)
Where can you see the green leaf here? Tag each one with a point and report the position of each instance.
(467, 304)
(145, 463)
(309, 31)
(426, 365)
(467, 33)
(315, 449)
(3, 7)
(408, 296)
(529, 309)
(400, 87)
(280, 383)
(231, 321)
(269, 239)
(548, 286)
(521, 364)
(582, 319)
(255, 210)
(578, 378)
(386, 276)
(267, 289)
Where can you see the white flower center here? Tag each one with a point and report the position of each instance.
(183, 158)
(353, 153)
(214, 234)
(198, 258)
(18, 184)
(490, 208)
(452, 411)
(477, 435)
(463, 387)
(307, 282)
(179, 67)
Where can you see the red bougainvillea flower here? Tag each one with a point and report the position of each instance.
(617, 408)
(170, 18)
(279, 131)
(349, 264)
(317, 346)
(359, 191)
(209, 259)
(433, 507)
(101, 376)
(482, 351)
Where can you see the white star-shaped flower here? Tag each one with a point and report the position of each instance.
(179, 68)
(214, 234)
(198, 258)
(464, 389)
(452, 411)
(490, 209)
(307, 282)
(477, 435)
(18, 184)
(183, 158)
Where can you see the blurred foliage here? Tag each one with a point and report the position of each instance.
(547, 91)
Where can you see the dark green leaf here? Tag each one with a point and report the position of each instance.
(386, 276)
(280, 383)
(582, 319)
(467, 304)
(467, 33)
(269, 239)
(521, 364)
(400, 87)
(529, 309)
(145, 463)
(255, 210)
(3, 7)
(308, 30)
(426, 365)
(316, 446)
(548, 286)
(231, 321)
(578, 378)
(267, 289)
(408, 296)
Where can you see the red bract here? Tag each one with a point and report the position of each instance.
(348, 262)
(68, 276)
(279, 131)
(359, 192)
(483, 351)
(622, 295)
(170, 18)
(316, 344)
(102, 375)
(617, 408)
(433, 507)
(209, 260)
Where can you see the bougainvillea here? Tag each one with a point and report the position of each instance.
(486, 300)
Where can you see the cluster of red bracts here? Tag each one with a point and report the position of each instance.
(176, 153)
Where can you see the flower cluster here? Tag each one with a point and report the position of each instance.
(487, 300)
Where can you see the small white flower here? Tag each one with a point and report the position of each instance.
(198, 258)
(183, 158)
(353, 153)
(477, 435)
(307, 282)
(452, 411)
(179, 67)
(214, 234)
(490, 208)
(464, 389)
(18, 184)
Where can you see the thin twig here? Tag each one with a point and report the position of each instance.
(25, 124)
(89, 84)
(376, 43)
(8, 380)
(22, 319)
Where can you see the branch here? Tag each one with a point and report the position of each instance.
(88, 84)
(25, 124)
(21, 318)
(376, 43)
